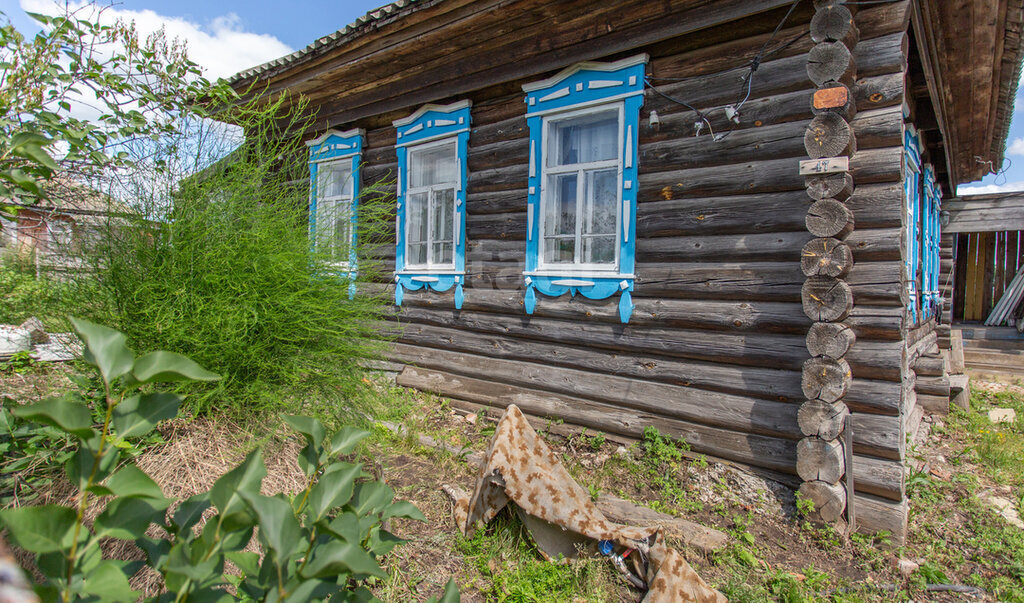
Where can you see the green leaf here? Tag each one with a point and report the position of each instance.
(43, 529)
(108, 582)
(279, 529)
(311, 428)
(403, 509)
(346, 439)
(138, 415)
(82, 464)
(132, 482)
(246, 477)
(346, 527)
(371, 497)
(383, 541)
(337, 557)
(190, 511)
(311, 590)
(129, 518)
(333, 489)
(106, 348)
(156, 550)
(60, 413)
(162, 367)
(246, 561)
(451, 593)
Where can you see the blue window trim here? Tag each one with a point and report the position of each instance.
(332, 146)
(932, 200)
(428, 124)
(912, 195)
(584, 85)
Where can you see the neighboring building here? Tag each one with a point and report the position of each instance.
(602, 216)
(56, 231)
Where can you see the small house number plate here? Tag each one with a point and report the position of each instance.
(827, 165)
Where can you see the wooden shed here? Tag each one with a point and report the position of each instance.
(715, 217)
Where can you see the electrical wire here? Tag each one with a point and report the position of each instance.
(746, 86)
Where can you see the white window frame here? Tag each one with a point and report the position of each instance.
(561, 268)
(336, 200)
(453, 185)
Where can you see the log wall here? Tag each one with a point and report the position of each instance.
(714, 349)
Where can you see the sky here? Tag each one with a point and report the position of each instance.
(228, 36)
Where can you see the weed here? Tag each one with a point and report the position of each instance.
(19, 363)
(514, 572)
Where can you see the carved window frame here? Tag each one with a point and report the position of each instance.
(579, 89)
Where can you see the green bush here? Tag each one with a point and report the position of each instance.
(226, 275)
(320, 544)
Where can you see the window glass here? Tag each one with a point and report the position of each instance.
(580, 203)
(434, 165)
(416, 234)
(333, 209)
(334, 180)
(584, 139)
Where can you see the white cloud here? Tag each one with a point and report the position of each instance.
(984, 189)
(222, 48)
(1016, 147)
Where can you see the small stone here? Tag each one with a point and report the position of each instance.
(1005, 508)
(906, 566)
(621, 451)
(471, 418)
(36, 330)
(1002, 415)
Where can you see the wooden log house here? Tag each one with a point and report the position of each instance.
(712, 217)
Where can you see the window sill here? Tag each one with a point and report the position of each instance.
(589, 284)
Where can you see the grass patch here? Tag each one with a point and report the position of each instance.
(511, 570)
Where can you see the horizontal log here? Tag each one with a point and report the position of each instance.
(777, 76)
(872, 283)
(876, 515)
(874, 244)
(887, 54)
(930, 366)
(878, 127)
(499, 154)
(884, 18)
(776, 246)
(935, 386)
(872, 93)
(729, 411)
(867, 322)
(881, 477)
(762, 451)
(877, 435)
(772, 384)
(512, 128)
(868, 359)
(506, 226)
(876, 206)
(765, 350)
